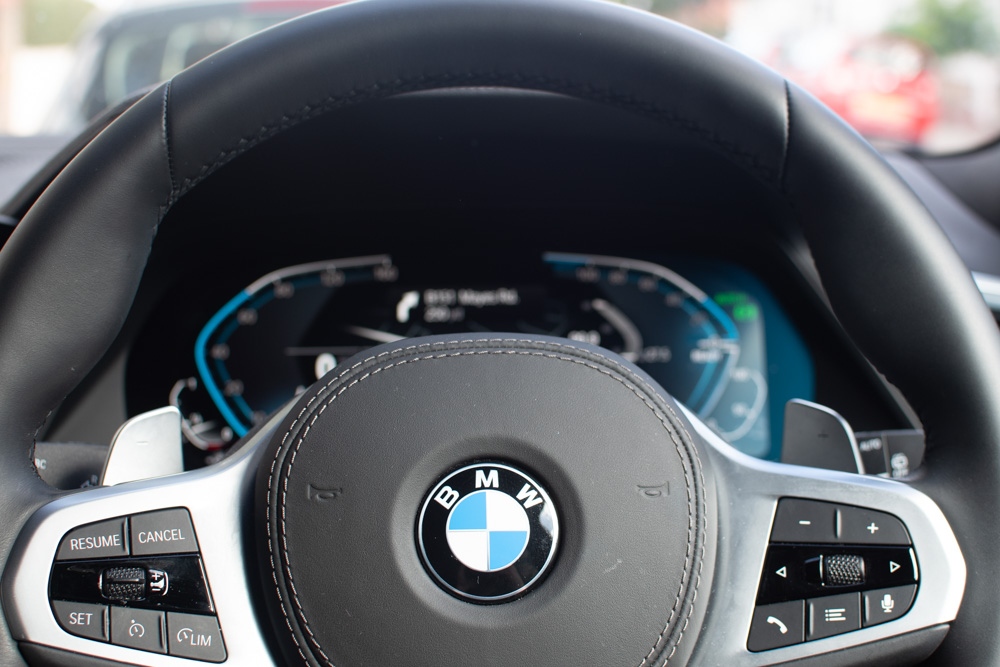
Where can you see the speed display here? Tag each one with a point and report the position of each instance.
(292, 326)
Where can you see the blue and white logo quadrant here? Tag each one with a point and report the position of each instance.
(488, 530)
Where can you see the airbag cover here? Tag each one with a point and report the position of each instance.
(345, 477)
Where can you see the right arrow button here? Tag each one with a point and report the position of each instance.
(891, 566)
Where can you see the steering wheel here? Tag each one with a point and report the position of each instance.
(621, 530)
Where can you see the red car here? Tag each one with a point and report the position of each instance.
(885, 87)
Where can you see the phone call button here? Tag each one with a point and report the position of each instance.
(777, 625)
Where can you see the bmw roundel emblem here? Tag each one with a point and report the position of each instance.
(487, 532)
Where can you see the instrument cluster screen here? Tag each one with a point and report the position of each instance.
(708, 331)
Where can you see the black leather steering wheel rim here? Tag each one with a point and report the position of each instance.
(70, 271)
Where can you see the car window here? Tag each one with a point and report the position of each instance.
(911, 73)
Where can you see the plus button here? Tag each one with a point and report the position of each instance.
(871, 528)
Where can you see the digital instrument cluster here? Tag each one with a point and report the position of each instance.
(709, 332)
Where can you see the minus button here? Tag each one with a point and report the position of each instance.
(804, 521)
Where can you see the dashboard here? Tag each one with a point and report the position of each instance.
(285, 264)
(708, 330)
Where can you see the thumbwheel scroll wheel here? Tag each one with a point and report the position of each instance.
(842, 570)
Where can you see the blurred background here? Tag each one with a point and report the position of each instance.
(921, 74)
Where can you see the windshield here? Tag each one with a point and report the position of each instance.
(911, 73)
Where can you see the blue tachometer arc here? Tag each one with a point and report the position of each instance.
(201, 348)
(214, 373)
(705, 396)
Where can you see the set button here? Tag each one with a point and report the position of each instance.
(82, 620)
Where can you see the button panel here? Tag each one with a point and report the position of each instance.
(137, 582)
(844, 567)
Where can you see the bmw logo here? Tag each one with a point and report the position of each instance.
(487, 533)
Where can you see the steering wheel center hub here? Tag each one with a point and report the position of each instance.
(574, 497)
(488, 532)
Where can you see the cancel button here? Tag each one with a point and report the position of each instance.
(163, 532)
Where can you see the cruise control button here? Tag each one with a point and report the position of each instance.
(833, 615)
(196, 637)
(97, 540)
(83, 620)
(137, 628)
(163, 532)
(858, 525)
(776, 625)
(886, 604)
(800, 520)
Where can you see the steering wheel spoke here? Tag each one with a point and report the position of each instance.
(152, 572)
(817, 561)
